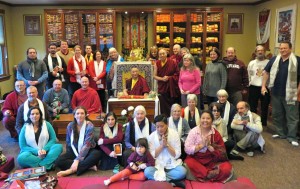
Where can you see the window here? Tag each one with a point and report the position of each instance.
(4, 72)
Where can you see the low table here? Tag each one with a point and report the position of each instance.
(60, 125)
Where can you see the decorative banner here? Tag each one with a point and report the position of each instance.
(263, 27)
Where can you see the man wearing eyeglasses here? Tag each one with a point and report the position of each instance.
(10, 108)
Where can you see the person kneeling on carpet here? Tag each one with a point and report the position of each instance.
(37, 142)
(137, 162)
(80, 144)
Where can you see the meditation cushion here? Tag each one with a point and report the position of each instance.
(151, 184)
(8, 166)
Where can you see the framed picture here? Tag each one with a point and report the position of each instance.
(33, 24)
(235, 23)
(285, 24)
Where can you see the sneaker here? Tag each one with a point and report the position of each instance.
(250, 154)
(278, 136)
(232, 156)
(178, 183)
(106, 182)
(294, 143)
(116, 169)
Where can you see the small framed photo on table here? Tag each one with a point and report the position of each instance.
(32, 24)
(235, 23)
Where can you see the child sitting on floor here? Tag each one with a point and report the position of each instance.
(137, 162)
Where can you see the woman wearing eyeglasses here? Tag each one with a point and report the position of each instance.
(221, 126)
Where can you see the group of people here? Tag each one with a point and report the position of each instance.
(185, 141)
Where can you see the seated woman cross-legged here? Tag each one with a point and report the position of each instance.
(80, 155)
(206, 159)
(111, 133)
(165, 147)
(37, 142)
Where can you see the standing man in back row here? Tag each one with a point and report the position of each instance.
(33, 71)
(255, 72)
(284, 74)
(237, 76)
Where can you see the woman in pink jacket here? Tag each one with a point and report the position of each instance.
(189, 79)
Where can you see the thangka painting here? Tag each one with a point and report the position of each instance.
(122, 72)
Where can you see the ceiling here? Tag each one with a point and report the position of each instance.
(127, 2)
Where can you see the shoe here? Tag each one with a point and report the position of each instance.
(278, 136)
(232, 156)
(250, 153)
(106, 182)
(234, 152)
(178, 183)
(116, 169)
(295, 143)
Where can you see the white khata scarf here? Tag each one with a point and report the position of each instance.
(78, 77)
(173, 126)
(226, 112)
(291, 83)
(59, 64)
(80, 140)
(26, 109)
(141, 134)
(108, 133)
(30, 136)
(98, 69)
(186, 115)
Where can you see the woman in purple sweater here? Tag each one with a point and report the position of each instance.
(189, 79)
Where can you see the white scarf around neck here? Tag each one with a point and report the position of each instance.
(98, 69)
(226, 112)
(30, 136)
(186, 115)
(107, 131)
(78, 77)
(26, 109)
(291, 83)
(50, 64)
(141, 134)
(80, 140)
(173, 126)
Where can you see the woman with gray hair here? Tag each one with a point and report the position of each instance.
(189, 79)
(228, 110)
(139, 127)
(191, 113)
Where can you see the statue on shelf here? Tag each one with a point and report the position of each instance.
(136, 53)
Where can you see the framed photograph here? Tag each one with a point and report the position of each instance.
(33, 24)
(235, 23)
(285, 24)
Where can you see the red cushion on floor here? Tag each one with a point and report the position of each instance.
(150, 184)
(88, 183)
(9, 165)
(135, 184)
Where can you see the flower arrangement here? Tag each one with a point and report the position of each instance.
(152, 94)
(126, 115)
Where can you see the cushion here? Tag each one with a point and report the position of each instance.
(9, 165)
(151, 184)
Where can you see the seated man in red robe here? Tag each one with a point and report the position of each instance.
(10, 108)
(87, 97)
(136, 85)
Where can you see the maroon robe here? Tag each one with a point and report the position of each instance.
(140, 88)
(88, 98)
(176, 58)
(201, 163)
(169, 90)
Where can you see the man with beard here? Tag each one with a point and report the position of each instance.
(10, 108)
(237, 76)
(255, 72)
(33, 71)
(56, 66)
(88, 54)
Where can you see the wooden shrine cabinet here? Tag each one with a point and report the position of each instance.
(81, 27)
(198, 30)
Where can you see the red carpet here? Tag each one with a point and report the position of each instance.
(97, 183)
